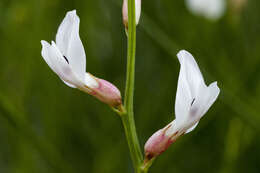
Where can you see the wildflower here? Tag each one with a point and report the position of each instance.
(137, 12)
(67, 59)
(193, 99)
(211, 9)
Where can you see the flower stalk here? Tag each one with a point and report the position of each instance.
(128, 116)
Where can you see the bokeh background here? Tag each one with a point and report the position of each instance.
(46, 126)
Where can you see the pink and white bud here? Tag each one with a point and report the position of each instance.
(107, 93)
(157, 144)
(160, 141)
(137, 12)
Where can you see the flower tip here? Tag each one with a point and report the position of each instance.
(125, 12)
(72, 12)
(72, 15)
(214, 88)
(43, 42)
(138, 10)
(215, 83)
(182, 53)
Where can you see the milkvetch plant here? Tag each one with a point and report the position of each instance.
(66, 57)
(193, 99)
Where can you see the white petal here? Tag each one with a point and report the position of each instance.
(53, 58)
(70, 45)
(211, 9)
(177, 128)
(191, 72)
(215, 9)
(183, 98)
(197, 6)
(69, 84)
(172, 128)
(180, 127)
(193, 97)
(137, 10)
(45, 54)
(213, 92)
(206, 98)
(192, 128)
(90, 81)
(189, 83)
(57, 63)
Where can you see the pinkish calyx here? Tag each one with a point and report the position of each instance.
(157, 144)
(107, 93)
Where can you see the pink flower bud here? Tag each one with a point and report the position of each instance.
(137, 12)
(157, 144)
(107, 93)
(161, 140)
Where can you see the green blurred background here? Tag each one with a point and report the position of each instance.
(46, 126)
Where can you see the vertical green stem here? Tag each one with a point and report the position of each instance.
(128, 117)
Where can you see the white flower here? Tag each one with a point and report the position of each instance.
(211, 9)
(193, 99)
(67, 59)
(137, 12)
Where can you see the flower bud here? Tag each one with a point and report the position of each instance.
(157, 144)
(137, 12)
(107, 93)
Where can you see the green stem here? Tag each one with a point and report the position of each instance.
(128, 116)
(133, 143)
